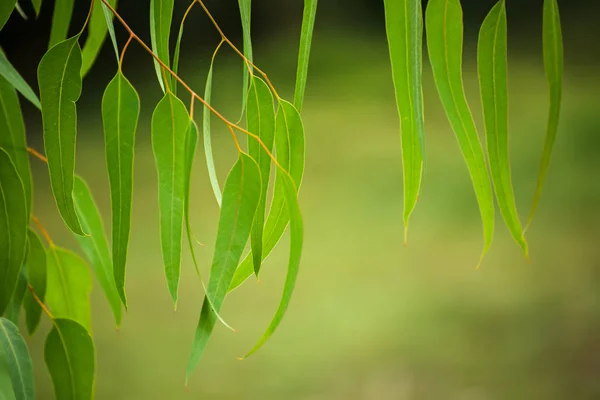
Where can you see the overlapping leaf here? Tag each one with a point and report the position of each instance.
(8, 72)
(245, 7)
(36, 276)
(61, 19)
(161, 15)
(208, 152)
(308, 23)
(6, 9)
(13, 311)
(14, 351)
(97, 29)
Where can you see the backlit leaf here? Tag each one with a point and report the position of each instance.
(208, 153)
(245, 7)
(108, 17)
(36, 275)
(97, 29)
(161, 15)
(61, 19)
(308, 23)
(14, 350)
(6, 9)
(8, 72)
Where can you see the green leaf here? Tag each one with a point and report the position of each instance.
(6, 389)
(59, 76)
(120, 113)
(404, 26)
(260, 114)
(37, 6)
(161, 15)
(108, 17)
(95, 245)
(6, 9)
(13, 228)
(492, 66)
(36, 275)
(13, 138)
(240, 199)
(445, 44)
(296, 239)
(13, 311)
(61, 19)
(97, 29)
(289, 141)
(208, 153)
(69, 355)
(169, 130)
(245, 7)
(8, 72)
(308, 24)
(14, 350)
(68, 287)
(554, 65)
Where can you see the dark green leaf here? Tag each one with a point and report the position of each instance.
(61, 19)
(161, 15)
(13, 311)
(208, 153)
(37, 6)
(8, 72)
(97, 29)
(245, 7)
(6, 9)
(36, 275)
(308, 23)
(14, 350)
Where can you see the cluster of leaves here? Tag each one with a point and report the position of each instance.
(55, 281)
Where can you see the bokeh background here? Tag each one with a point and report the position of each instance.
(370, 319)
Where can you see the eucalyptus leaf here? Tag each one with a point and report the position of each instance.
(108, 17)
(14, 350)
(6, 389)
(308, 24)
(36, 276)
(6, 9)
(97, 29)
(37, 6)
(208, 152)
(8, 72)
(61, 19)
(245, 7)
(161, 15)
(13, 311)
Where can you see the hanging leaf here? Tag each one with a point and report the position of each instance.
(404, 26)
(240, 199)
(95, 245)
(308, 24)
(108, 17)
(120, 113)
(445, 43)
(208, 153)
(169, 126)
(97, 29)
(6, 9)
(60, 87)
(37, 6)
(6, 389)
(14, 351)
(261, 122)
(161, 15)
(8, 72)
(492, 65)
(13, 311)
(13, 228)
(36, 275)
(68, 287)
(69, 355)
(554, 65)
(245, 7)
(61, 19)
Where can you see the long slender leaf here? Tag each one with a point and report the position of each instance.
(13, 311)
(6, 389)
(308, 24)
(404, 26)
(245, 7)
(161, 15)
(492, 66)
(120, 114)
(61, 19)
(36, 275)
(13, 228)
(6, 9)
(14, 350)
(37, 6)
(59, 76)
(69, 355)
(8, 72)
(108, 17)
(208, 152)
(97, 29)
(240, 199)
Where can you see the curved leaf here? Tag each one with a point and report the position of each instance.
(13, 311)
(14, 350)
(97, 29)
(208, 153)
(6, 9)
(245, 7)
(120, 113)
(59, 76)
(36, 275)
(69, 355)
(61, 19)
(161, 15)
(308, 24)
(108, 17)
(8, 72)
(492, 65)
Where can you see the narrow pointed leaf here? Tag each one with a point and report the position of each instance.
(13, 311)
(161, 15)
(240, 199)
(61, 19)
(59, 77)
(404, 27)
(14, 350)
(13, 228)
(6, 389)
(6, 9)
(245, 7)
(36, 275)
(492, 67)
(260, 114)
(97, 29)
(208, 152)
(108, 17)
(120, 114)
(68, 286)
(8, 72)
(69, 355)
(20, 11)
(37, 6)
(308, 24)
(169, 128)
(95, 246)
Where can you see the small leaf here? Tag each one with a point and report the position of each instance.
(13, 228)
(208, 153)
(68, 287)
(308, 24)
(245, 7)
(261, 122)
(6, 388)
(404, 26)
(240, 199)
(95, 245)
(69, 355)
(14, 350)
(6, 9)
(8, 72)
(59, 76)
(169, 129)
(108, 17)
(97, 29)
(36, 274)
(492, 65)
(13, 311)
(37, 6)
(161, 15)
(120, 113)
(61, 19)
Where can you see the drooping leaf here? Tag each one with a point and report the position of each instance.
(97, 29)
(245, 7)
(445, 44)
(59, 76)
(13, 311)
(169, 127)
(8, 72)
(61, 19)
(6, 9)
(14, 350)
(492, 66)
(6, 388)
(108, 17)
(13, 228)
(37, 6)
(240, 199)
(20, 11)
(161, 15)
(208, 153)
(36, 276)
(554, 65)
(95, 246)
(69, 355)
(404, 27)
(120, 113)
(260, 114)
(308, 24)
(68, 286)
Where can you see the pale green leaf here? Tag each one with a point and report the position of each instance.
(8, 72)
(492, 67)
(14, 350)
(108, 17)
(161, 15)
(308, 24)
(69, 355)
(6, 389)
(120, 113)
(245, 7)
(36, 275)
(61, 19)
(208, 152)
(6, 9)
(97, 29)
(13, 311)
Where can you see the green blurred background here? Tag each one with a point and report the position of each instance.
(369, 319)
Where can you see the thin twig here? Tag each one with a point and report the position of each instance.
(42, 230)
(40, 302)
